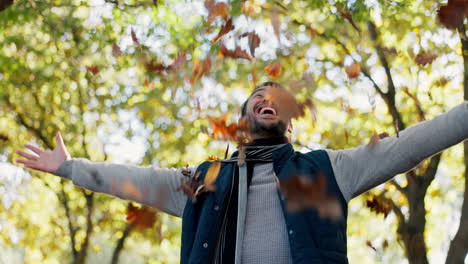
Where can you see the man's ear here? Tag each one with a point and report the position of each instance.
(290, 127)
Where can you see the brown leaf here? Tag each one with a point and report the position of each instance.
(353, 70)
(134, 38)
(179, 61)
(313, 33)
(200, 68)
(116, 52)
(237, 53)
(254, 41)
(424, 58)
(452, 14)
(369, 244)
(226, 28)
(273, 69)
(216, 10)
(287, 104)
(380, 205)
(93, 69)
(376, 138)
(140, 217)
(275, 21)
(155, 67)
(302, 192)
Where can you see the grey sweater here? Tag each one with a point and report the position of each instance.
(356, 171)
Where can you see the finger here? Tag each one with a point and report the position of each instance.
(36, 150)
(59, 140)
(27, 155)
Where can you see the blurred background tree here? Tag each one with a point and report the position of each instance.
(135, 81)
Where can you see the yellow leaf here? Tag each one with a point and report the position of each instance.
(212, 173)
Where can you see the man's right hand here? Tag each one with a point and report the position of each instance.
(48, 160)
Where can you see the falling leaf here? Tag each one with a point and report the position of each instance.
(211, 175)
(380, 205)
(237, 53)
(313, 33)
(212, 157)
(254, 41)
(353, 70)
(216, 10)
(369, 244)
(116, 52)
(287, 104)
(452, 14)
(302, 192)
(238, 132)
(146, 84)
(424, 58)
(273, 69)
(142, 218)
(155, 67)
(93, 69)
(134, 38)
(376, 138)
(226, 28)
(275, 22)
(200, 68)
(178, 61)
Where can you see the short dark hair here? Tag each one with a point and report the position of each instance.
(264, 84)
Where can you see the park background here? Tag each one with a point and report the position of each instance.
(137, 82)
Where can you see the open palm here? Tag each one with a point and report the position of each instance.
(48, 160)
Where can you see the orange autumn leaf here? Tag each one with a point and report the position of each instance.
(211, 175)
(212, 157)
(275, 21)
(93, 69)
(302, 193)
(140, 217)
(235, 131)
(273, 69)
(376, 138)
(237, 53)
(200, 68)
(216, 10)
(226, 28)
(353, 70)
(287, 104)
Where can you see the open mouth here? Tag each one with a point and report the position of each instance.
(265, 111)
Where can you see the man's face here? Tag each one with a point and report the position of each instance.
(263, 113)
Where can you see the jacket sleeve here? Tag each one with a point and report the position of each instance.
(155, 187)
(360, 169)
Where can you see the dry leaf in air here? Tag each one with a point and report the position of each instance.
(116, 52)
(226, 28)
(141, 218)
(304, 193)
(353, 70)
(424, 58)
(273, 69)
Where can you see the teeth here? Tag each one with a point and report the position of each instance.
(262, 111)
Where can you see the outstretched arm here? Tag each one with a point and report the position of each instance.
(152, 186)
(360, 169)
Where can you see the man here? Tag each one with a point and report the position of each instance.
(245, 220)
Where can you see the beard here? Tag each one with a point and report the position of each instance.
(267, 130)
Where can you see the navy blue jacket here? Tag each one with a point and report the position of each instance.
(312, 239)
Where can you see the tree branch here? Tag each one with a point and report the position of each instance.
(120, 243)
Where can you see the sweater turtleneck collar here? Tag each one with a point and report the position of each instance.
(269, 141)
